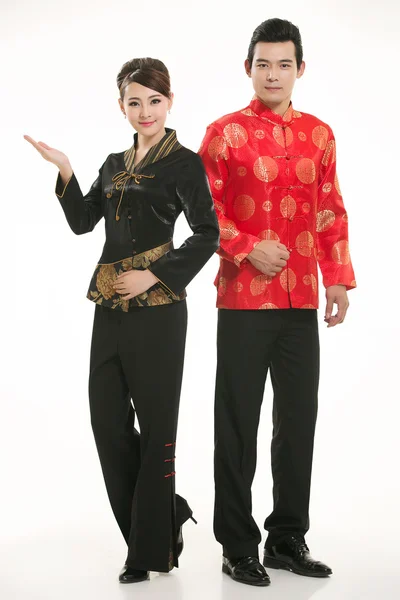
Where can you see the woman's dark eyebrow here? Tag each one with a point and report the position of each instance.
(136, 98)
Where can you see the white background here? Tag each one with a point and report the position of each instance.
(58, 67)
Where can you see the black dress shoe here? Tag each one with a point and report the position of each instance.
(246, 569)
(129, 575)
(293, 555)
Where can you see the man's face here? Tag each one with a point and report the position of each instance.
(274, 72)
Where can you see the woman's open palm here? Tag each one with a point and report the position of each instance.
(54, 156)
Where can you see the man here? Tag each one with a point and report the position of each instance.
(272, 171)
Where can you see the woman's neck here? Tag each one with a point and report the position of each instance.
(144, 142)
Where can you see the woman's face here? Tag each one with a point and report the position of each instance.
(145, 109)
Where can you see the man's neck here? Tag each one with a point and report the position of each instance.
(279, 108)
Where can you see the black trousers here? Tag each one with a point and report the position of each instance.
(136, 366)
(249, 343)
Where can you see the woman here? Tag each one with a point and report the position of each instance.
(140, 319)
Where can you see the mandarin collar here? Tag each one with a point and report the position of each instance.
(169, 143)
(264, 112)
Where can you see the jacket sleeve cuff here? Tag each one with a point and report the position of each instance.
(160, 269)
(60, 187)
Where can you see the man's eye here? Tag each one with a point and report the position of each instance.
(285, 65)
(262, 65)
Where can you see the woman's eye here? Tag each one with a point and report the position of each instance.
(156, 101)
(133, 104)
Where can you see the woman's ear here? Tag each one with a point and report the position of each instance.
(121, 105)
(171, 101)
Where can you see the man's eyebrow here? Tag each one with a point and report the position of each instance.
(282, 60)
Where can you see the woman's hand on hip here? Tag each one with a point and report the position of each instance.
(133, 283)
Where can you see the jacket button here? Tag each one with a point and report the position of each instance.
(129, 216)
(133, 240)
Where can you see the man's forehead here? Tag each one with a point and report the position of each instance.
(275, 50)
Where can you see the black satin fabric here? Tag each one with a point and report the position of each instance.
(145, 216)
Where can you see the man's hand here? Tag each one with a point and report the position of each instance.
(336, 294)
(133, 283)
(269, 257)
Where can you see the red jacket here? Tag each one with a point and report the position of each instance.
(274, 178)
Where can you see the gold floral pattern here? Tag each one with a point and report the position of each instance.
(101, 289)
(105, 280)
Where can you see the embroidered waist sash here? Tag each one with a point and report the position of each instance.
(101, 289)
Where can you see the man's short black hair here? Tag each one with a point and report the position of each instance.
(277, 30)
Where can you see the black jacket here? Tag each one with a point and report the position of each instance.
(140, 206)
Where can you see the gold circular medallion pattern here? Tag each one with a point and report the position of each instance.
(259, 284)
(320, 137)
(282, 138)
(228, 230)
(265, 169)
(305, 170)
(337, 186)
(288, 207)
(267, 306)
(325, 220)
(221, 286)
(244, 207)
(267, 206)
(268, 234)
(217, 148)
(288, 280)
(305, 243)
(235, 135)
(341, 253)
(330, 154)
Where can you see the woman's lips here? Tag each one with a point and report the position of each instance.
(147, 123)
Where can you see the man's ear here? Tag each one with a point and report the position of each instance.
(247, 67)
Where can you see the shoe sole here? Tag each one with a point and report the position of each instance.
(135, 580)
(274, 563)
(260, 584)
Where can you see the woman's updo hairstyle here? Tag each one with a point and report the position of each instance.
(149, 72)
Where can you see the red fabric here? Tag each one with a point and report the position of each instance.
(274, 177)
